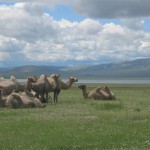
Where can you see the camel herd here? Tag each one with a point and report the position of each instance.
(34, 92)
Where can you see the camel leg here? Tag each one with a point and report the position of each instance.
(46, 97)
(56, 93)
(43, 99)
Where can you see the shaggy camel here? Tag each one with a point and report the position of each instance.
(68, 84)
(65, 86)
(97, 93)
(25, 100)
(8, 85)
(43, 86)
(57, 84)
(52, 83)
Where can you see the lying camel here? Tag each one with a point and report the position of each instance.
(8, 85)
(97, 93)
(25, 100)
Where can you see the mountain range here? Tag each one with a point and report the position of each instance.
(139, 68)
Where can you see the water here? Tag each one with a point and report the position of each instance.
(108, 81)
(118, 81)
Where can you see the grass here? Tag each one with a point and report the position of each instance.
(78, 124)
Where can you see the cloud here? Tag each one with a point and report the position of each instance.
(113, 8)
(30, 36)
(101, 8)
(133, 23)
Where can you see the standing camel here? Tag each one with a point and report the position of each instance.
(52, 83)
(59, 84)
(43, 86)
(40, 86)
(68, 84)
(97, 93)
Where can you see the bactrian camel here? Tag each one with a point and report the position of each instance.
(97, 93)
(67, 85)
(43, 85)
(9, 85)
(15, 100)
(40, 86)
(52, 83)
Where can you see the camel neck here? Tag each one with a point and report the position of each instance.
(67, 85)
(85, 94)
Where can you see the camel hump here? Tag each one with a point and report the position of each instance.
(12, 78)
(1, 78)
(55, 75)
(43, 77)
(32, 78)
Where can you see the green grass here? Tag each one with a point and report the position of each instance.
(78, 124)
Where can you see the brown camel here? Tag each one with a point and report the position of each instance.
(58, 84)
(14, 100)
(43, 86)
(40, 86)
(97, 93)
(68, 84)
(8, 85)
(54, 84)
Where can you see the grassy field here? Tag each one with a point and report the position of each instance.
(78, 124)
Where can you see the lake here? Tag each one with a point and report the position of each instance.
(108, 81)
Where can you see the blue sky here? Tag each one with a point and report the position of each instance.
(63, 32)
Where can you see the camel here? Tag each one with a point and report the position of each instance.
(43, 86)
(8, 85)
(97, 93)
(105, 89)
(40, 86)
(68, 84)
(57, 84)
(65, 86)
(54, 84)
(25, 100)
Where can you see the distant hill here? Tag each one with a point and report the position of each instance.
(139, 68)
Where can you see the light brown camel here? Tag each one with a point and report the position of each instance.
(68, 84)
(15, 100)
(40, 86)
(58, 84)
(54, 83)
(43, 85)
(97, 93)
(8, 85)
(110, 93)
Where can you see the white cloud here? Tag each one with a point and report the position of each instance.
(134, 23)
(32, 36)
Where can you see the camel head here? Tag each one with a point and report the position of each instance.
(29, 83)
(73, 79)
(82, 86)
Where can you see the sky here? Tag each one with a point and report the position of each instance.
(77, 32)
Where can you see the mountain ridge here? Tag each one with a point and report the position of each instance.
(139, 68)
